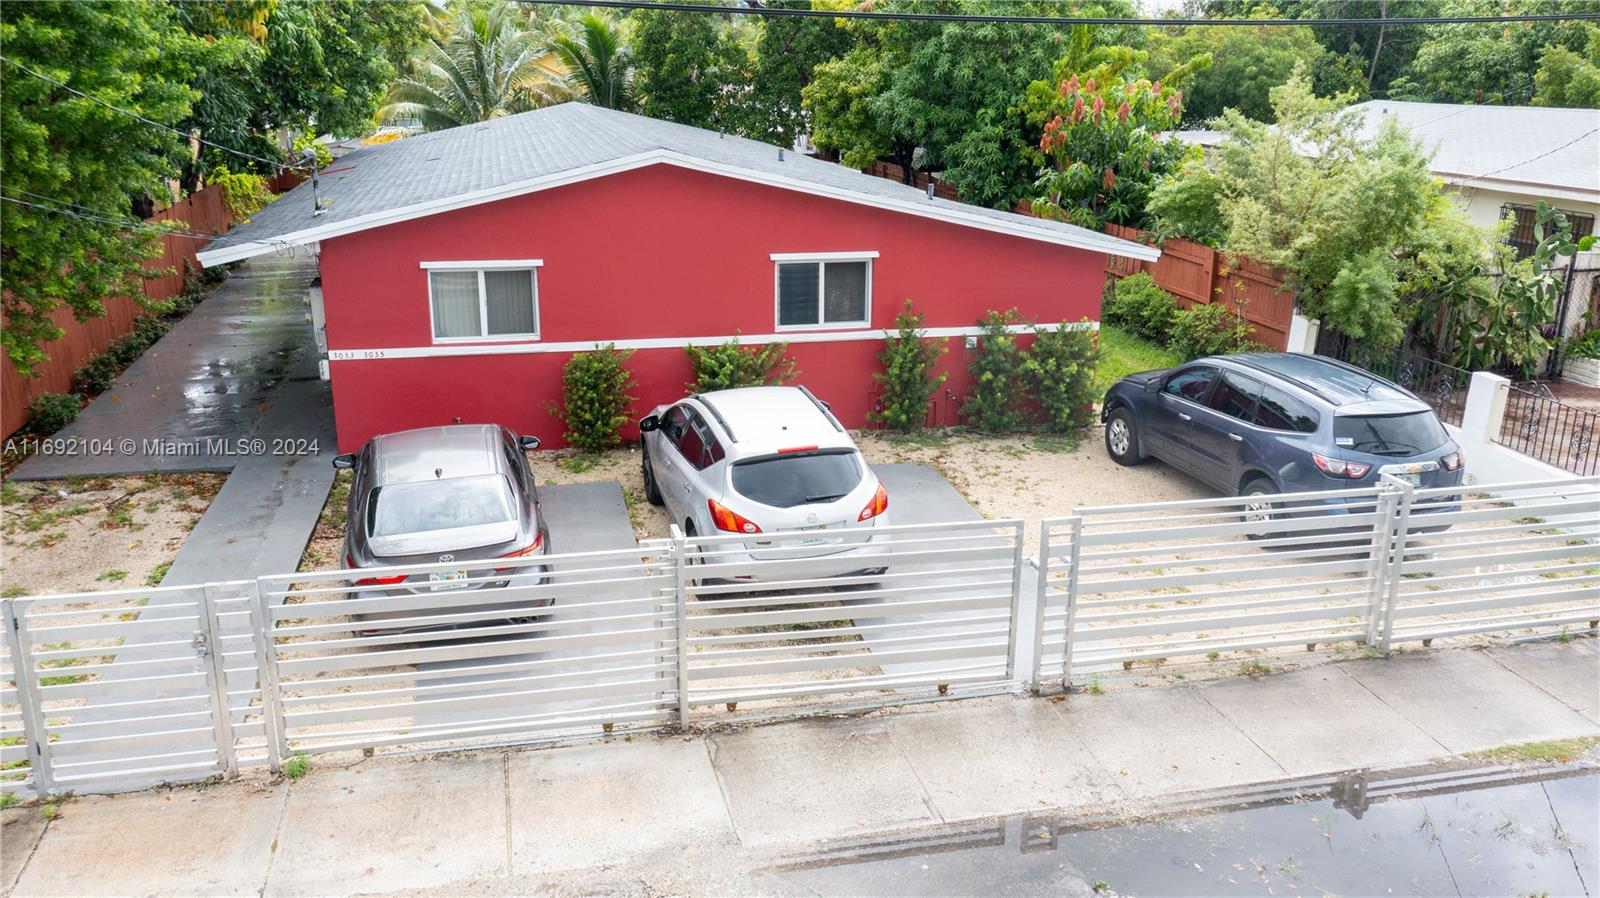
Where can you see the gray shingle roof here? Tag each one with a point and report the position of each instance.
(1530, 145)
(445, 169)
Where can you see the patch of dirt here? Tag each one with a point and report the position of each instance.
(622, 465)
(1031, 476)
(96, 534)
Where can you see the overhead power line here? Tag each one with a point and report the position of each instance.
(806, 12)
(1455, 182)
(129, 224)
(276, 164)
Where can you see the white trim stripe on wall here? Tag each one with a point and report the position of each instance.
(418, 352)
(1021, 227)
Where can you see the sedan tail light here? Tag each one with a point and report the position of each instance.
(878, 505)
(1453, 461)
(730, 521)
(533, 548)
(381, 581)
(1338, 467)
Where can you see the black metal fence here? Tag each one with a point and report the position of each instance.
(1444, 387)
(1539, 425)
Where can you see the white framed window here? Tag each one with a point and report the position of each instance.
(822, 290)
(474, 301)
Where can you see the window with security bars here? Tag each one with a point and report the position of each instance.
(1524, 234)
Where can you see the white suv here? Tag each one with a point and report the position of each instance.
(764, 460)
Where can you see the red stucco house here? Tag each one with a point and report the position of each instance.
(461, 269)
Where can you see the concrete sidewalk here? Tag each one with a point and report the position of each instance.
(695, 814)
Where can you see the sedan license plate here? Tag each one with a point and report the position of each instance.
(444, 580)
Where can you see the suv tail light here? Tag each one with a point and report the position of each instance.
(878, 505)
(1338, 467)
(1453, 461)
(730, 521)
(533, 548)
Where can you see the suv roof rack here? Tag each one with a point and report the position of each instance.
(821, 407)
(710, 407)
(1308, 387)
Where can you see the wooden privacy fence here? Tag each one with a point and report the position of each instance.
(1196, 273)
(203, 212)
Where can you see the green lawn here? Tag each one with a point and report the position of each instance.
(1121, 354)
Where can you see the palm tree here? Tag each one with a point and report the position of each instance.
(596, 58)
(484, 63)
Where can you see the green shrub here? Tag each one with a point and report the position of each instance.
(1210, 330)
(97, 375)
(595, 397)
(993, 405)
(1137, 305)
(1586, 345)
(53, 411)
(1060, 371)
(244, 193)
(729, 365)
(907, 379)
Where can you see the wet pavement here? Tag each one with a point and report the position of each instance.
(1494, 833)
(242, 365)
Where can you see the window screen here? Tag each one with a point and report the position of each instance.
(468, 304)
(455, 304)
(812, 294)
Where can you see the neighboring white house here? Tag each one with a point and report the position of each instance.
(1503, 160)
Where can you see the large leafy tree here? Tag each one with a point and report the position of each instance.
(1299, 195)
(1567, 78)
(1247, 62)
(688, 67)
(1367, 56)
(1101, 143)
(599, 63)
(482, 63)
(788, 51)
(88, 164)
(950, 90)
(1470, 63)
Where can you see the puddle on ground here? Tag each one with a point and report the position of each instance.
(1505, 833)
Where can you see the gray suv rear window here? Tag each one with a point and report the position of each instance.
(784, 481)
(1280, 411)
(1406, 434)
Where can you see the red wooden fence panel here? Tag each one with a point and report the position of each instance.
(202, 212)
(1196, 273)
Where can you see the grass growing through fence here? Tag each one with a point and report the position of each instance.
(297, 766)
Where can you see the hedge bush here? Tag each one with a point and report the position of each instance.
(730, 365)
(53, 411)
(1210, 330)
(1137, 305)
(1060, 375)
(595, 397)
(907, 378)
(995, 403)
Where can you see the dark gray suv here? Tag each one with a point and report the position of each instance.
(1256, 424)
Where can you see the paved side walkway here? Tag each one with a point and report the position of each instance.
(695, 814)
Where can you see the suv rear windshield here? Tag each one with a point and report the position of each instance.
(1407, 434)
(438, 505)
(784, 481)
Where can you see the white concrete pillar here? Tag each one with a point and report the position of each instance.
(1485, 408)
(1303, 333)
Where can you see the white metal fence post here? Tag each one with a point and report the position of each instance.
(1075, 533)
(20, 645)
(1014, 630)
(1041, 594)
(1397, 558)
(679, 561)
(209, 645)
(1384, 506)
(272, 720)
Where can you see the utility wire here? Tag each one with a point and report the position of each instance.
(126, 224)
(805, 12)
(1465, 178)
(276, 164)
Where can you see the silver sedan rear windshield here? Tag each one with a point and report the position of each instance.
(784, 481)
(1407, 434)
(439, 505)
